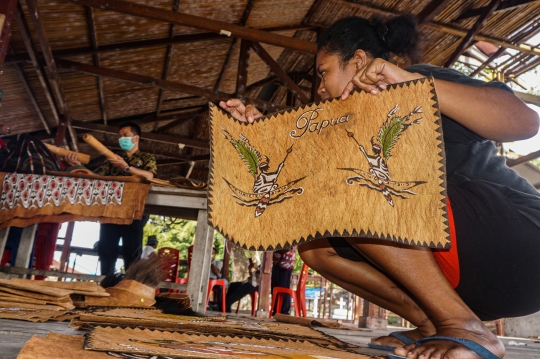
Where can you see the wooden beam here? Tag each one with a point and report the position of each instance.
(199, 270)
(154, 82)
(265, 56)
(95, 56)
(527, 97)
(243, 64)
(26, 245)
(181, 119)
(431, 10)
(8, 8)
(35, 16)
(66, 248)
(243, 21)
(156, 137)
(525, 68)
(505, 5)
(529, 49)
(521, 47)
(166, 66)
(60, 135)
(30, 49)
(139, 44)
(39, 29)
(265, 287)
(4, 233)
(31, 96)
(514, 162)
(488, 61)
(172, 156)
(469, 38)
(201, 23)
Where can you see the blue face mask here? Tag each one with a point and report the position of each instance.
(126, 143)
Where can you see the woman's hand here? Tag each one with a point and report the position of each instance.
(240, 112)
(71, 158)
(376, 75)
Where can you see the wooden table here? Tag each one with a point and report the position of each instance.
(176, 202)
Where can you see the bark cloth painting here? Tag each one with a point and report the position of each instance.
(369, 166)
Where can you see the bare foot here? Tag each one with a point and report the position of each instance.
(414, 334)
(437, 349)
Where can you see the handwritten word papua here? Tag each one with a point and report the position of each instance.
(307, 121)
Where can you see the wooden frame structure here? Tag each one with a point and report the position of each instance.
(97, 63)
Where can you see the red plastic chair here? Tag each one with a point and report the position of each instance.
(254, 303)
(170, 257)
(298, 296)
(217, 282)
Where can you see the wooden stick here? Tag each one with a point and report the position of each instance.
(81, 157)
(92, 141)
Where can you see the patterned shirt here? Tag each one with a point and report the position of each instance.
(141, 160)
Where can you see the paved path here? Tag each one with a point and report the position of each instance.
(15, 333)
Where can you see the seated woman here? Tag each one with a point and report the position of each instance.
(492, 269)
(238, 290)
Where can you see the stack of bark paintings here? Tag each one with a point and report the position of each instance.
(142, 341)
(40, 301)
(61, 346)
(150, 333)
(204, 325)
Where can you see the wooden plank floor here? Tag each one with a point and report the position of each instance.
(15, 333)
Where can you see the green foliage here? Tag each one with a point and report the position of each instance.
(536, 162)
(177, 233)
(171, 232)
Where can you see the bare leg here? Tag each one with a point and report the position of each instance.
(417, 270)
(369, 283)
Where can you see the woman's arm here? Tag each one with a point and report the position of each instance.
(490, 112)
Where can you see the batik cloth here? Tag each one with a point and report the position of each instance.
(27, 199)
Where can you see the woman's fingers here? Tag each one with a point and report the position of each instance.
(376, 75)
(235, 107)
(240, 112)
(252, 113)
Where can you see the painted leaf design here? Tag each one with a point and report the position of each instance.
(389, 134)
(249, 155)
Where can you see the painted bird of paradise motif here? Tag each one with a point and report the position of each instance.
(266, 190)
(378, 177)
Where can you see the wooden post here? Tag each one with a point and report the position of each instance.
(265, 286)
(357, 308)
(371, 317)
(3, 240)
(324, 299)
(26, 245)
(66, 248)
(199, 270)
(227, 248)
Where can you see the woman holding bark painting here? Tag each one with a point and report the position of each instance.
(491, 271)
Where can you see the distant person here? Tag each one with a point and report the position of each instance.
(238, 290)
(282, 268)
(216, 267)
(131, 162)
(150, 248)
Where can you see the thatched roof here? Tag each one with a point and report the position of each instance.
(94, 63)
